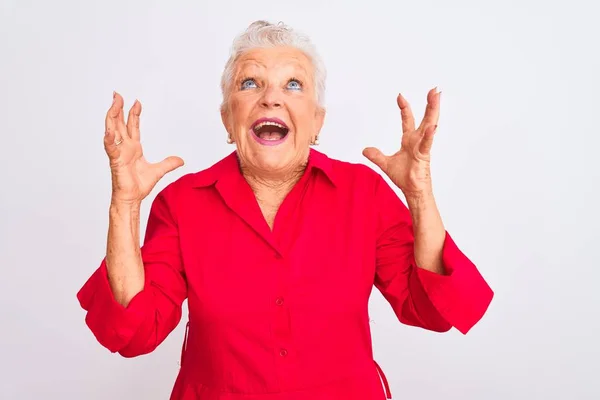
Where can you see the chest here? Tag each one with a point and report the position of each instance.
(311, 251)
(269, 210)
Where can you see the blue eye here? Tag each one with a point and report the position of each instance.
(249, 84)
(294, 85)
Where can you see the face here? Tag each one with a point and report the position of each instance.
(272, 113)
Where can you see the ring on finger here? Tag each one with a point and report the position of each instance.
(118, 142)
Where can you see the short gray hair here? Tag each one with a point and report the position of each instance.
(261, 34)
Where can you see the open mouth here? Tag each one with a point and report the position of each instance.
(269, 131)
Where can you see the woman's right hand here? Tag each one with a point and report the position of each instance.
(133, 178)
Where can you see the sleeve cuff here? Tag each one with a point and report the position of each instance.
(113, 325)
(461, 296)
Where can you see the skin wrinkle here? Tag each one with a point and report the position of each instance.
(272, 171)
(406, 262)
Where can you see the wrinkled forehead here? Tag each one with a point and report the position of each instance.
(274, 60)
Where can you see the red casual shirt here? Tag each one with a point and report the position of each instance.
(281, 314)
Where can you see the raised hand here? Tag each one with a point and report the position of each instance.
(409, 167)
(133, 178)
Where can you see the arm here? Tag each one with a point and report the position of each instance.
(427, 279)
(133, 300)
(124, 265)
(429, 284)
(429, 232)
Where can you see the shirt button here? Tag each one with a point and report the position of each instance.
(283, 352)
(279, 301)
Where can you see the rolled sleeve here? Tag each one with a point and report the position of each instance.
(461, 295)
(458, 298)
(112, 324)
(155, 311)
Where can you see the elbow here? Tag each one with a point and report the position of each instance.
(142, 343)
(438, 325)
(423, 314)
(128, 348)
(440, 328)
(133, 352)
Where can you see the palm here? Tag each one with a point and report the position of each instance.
(409, 167)
(133, 177)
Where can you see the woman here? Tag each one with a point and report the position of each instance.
(276, 247)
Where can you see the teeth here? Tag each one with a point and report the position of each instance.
(268, 123)
(275, 137)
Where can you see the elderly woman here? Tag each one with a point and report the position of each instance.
(276, 247)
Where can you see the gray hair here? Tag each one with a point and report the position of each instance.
(261, 34)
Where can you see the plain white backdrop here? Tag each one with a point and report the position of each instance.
(515, 166)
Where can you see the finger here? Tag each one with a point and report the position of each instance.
(133, 121)
(119, 118)
(427, 140)
(110, 121)
(167, 165)
(432, 111)
(408, 120)
(376, 157)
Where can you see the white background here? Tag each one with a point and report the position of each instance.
(515, 168)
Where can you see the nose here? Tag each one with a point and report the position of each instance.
(271, 98)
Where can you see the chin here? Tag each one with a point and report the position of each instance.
(272, 151)
(269, 160)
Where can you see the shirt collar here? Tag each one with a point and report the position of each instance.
(228, 168)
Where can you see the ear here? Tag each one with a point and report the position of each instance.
(225, 119)
(319, 119)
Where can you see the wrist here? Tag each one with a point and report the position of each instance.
(125, 206)
(419, 198)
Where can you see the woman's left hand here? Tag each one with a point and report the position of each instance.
(409, 167)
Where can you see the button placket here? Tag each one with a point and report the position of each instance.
(282, 334)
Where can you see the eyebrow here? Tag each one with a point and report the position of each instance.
(244, 73)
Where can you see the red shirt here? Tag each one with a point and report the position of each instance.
(281, 314)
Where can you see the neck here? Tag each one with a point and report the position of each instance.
(269, 184)
(270, 189)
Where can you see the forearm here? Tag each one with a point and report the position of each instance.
(429, 232)
(123, 256)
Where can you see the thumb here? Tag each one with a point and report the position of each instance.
(109, 144)
(427, 140)
(167, 165)
(376, 157)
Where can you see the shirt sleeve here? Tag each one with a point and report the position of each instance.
(458, 298)
(155, 311)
